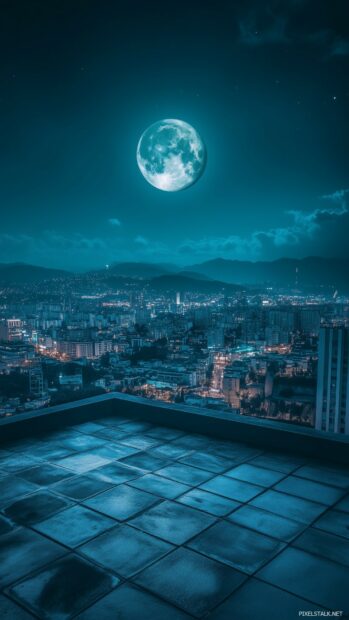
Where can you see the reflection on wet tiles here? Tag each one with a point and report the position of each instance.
(75, 525)
(208, 502)
(125, 550)
(289, 506)
(233, 489)
(125, 603)
(163, 487)
(121, 502)
(237, 546)
(173, 522)
(64, 588)
(23, 551)
(190, 581)
(266, 523)
(81, 487)
(35, 507)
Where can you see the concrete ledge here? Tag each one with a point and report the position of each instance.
(261, 433)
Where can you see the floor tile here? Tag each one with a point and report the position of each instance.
(208, 502)
(289, 506)
(191, 581)
(279, 462)
(82, 462)
(125, 550)
(6, 525)
(15, 462)
(325, 544)
(336, 476)
(12, 487)
(80, 442)
(45, 474)
(171, 451)
(145, 461)
(334, 521)
(208, 462)
(125, 603)
(236, 546)
(23, 551)
(114, 451)
(11, 611)
(233, 489)
(316, 579)
(255, 475)
(173, 522)
(88, 427)
(136, 427)
(64, 588)
(167, 434)
(74, 526)
(185, 474)
(122, 502)
(81, 487)
(163, 487)
(35, 507)
(266, 523)
(257, 600)
(142, 442)
(116, 473)
(343, 504)
(308, 489)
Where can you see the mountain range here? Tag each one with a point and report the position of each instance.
(286, 272)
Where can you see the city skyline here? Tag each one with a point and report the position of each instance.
(265, 86)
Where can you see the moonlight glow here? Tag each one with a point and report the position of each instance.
(171, 155)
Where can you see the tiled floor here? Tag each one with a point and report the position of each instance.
(117, 519)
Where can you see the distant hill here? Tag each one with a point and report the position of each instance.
(312, 271)
(21, 273)
(182, 284)
(140, 270)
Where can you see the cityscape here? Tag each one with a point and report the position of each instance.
(273, 352)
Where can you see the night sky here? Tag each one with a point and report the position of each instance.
(265, 84)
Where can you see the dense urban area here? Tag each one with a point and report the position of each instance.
(258, 351)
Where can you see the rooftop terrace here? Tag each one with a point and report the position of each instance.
(105, 514)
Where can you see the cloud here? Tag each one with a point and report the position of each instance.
(113, 221)
(303, 227)
(141, 240)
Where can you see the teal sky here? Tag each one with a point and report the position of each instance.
(266, 86)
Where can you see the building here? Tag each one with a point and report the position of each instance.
(332, 394)
(14, 354)
(11, 329)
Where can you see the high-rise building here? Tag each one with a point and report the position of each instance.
(332, 394)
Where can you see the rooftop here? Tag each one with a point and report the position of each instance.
(115, 517)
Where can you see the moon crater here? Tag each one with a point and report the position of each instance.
(171, 155)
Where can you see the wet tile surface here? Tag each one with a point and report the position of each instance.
(121, 502)
(316, 579)
(125, 603)
(35, 507)
(74, 526)
(260, 601)
(236, 546)
(266, 523)
(125, 550)
(64, 588)
(173, 522)
(116, 518)
(191, 581)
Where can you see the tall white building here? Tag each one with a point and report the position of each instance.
(332, 394)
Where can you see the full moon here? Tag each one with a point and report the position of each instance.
(171, 155)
